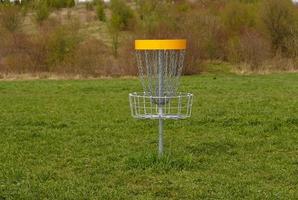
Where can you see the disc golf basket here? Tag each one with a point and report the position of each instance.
(160, 64)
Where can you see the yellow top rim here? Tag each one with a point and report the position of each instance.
(160, 44)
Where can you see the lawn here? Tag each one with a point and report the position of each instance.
(75, 139)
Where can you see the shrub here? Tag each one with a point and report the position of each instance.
(18, 63)
(291, 44)
(207, 33)
(52, 47)
(213, 37)
(60, 3)
(233, 50)
(11, 17)
(42, 11)
(62, 43)
(279, 63)
(100, 10)
(121, 13)
(114, 27)
(39, 51)
(150, 14)
(17, 58)
(250, 48)
(279, 19)
(90, 58)
(254, 49)
(237, 16)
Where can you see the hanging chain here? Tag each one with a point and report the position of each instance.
(148, 62)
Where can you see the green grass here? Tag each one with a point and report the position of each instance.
(77, 140)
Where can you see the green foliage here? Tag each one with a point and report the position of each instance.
(120, 20)
(238, 16)
(42, 11)
(100, 10)
(11, 17)
(62, 43)
(114, 29)
(183, 7)
(152, 14)
(280, 20)
(122, 15)
(75, 139)
(60, 3)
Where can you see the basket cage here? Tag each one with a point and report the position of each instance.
(145, 106)
(160, 65)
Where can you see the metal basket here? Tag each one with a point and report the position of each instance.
(145, 106)
(160, 64)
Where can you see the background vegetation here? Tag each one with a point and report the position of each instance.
(96, 39)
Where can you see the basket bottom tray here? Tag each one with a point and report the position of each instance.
(144, 106)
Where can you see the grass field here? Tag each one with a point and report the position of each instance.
(76, 140)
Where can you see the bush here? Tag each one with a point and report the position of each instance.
(61, 44)
(150, 14)
(90, 58)
(114, 30)
(279, 19)
(237, 16)
(11, 17)
(206, 35)
(54, 46)
(17, 57)
(213, 37)
(279, 63)
(60, 3)
(18, 63)
(121, 13)
(254, 49)
(291, 44)
(42, 11)
(100, 10)
(39, 52)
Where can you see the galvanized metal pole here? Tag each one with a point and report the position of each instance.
(160, 138)
(160, 104)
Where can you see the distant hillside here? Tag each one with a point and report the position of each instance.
(97, 39)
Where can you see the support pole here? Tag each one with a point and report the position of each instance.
(160, 103)
(160, 137)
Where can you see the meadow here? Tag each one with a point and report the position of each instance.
(75, 139)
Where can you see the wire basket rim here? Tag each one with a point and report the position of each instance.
(148, 95)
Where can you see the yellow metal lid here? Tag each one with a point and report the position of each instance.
(160, 44)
